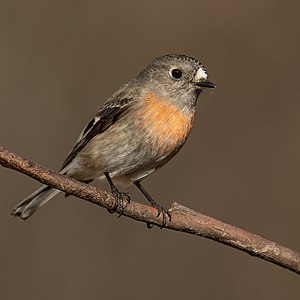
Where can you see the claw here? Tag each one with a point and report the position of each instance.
(119, 197)
(119, 203)
(149, 225)
(165, 212)
(160, 209)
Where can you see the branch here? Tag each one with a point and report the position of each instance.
(183, 218)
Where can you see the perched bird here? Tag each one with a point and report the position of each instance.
(138, 130)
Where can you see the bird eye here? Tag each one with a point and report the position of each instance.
(176, 73)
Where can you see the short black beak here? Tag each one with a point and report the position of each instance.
(206, 84)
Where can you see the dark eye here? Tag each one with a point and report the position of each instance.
(176, 73)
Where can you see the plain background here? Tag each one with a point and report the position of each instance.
(60, 60)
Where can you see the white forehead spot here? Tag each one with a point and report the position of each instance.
(200, 74)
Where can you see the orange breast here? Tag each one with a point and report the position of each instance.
(164, 123)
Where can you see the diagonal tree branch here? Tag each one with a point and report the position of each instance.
(183, 218)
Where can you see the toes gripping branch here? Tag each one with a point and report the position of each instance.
(119, 197)
(160, 209)
(124, 197)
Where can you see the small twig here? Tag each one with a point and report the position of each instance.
(183, 218)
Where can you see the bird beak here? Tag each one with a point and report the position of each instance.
(205, 84)
(200, 79)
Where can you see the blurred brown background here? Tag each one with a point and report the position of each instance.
(60, 60)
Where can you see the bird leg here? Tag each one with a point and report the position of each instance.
(160, 209)
(119, 196)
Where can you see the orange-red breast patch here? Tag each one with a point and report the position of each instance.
(165, 122)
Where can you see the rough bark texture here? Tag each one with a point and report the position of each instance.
(183, 218)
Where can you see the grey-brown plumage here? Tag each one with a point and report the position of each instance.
(138, 129)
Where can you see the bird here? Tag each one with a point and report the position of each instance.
(139, 129)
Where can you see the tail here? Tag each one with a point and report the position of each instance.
(33, 202)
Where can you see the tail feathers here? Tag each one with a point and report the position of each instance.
(33, 202)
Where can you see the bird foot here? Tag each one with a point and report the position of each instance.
(120, 200)
(161, 211)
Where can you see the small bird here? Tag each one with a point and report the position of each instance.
(138, 130)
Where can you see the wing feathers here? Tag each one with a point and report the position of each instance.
(106, 117)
